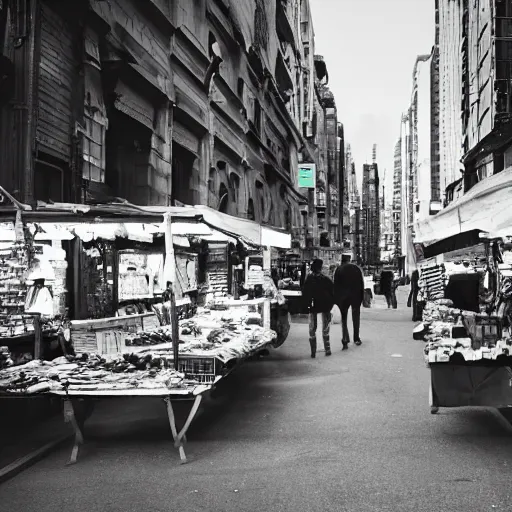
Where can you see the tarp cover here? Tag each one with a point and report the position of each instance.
(486, 207)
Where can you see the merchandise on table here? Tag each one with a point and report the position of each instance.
(449, 334)
(225, 335)
(92, 372)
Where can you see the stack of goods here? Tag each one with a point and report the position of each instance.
(5, 358)
(432, 281)
(13, 269)
(454, 335)
(218, 283)
(94, 373)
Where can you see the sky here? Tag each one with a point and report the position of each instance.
(370, 47)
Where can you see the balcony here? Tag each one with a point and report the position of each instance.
(284, 24)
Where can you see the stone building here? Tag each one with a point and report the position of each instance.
(158, 102)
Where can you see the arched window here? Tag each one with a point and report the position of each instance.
(211, 180)
(234, 181)
(250, 210)
(288, 218)
(261, 199)
(223, 199)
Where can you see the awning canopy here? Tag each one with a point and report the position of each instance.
(125, 221)
(241, 228)
(486, 207)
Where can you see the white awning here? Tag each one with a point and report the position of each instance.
(273, 238)
(486, 207)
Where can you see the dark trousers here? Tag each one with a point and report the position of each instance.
(344, 306)
(391, 298)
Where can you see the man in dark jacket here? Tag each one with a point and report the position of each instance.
(319, 298)
(349, 293)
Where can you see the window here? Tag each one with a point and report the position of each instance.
(250, 210)
(240, 88)
(223, 199)
(261, 198)
(257, 117)
(234, 180)
(93, 140)
(503, 8)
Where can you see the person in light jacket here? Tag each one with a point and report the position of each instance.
(318, 297)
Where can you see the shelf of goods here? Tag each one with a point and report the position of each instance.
(432, 282)
(13, 268)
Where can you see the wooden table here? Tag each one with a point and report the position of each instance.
(78, 407)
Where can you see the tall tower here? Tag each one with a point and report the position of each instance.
(374, 154)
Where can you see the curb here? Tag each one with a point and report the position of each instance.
(26, 461)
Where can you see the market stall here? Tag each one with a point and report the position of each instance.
(155, 302)
(465, 285)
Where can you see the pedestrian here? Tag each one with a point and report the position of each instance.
(318, 297)
(387, 287)
(417, 306)
(349, 293)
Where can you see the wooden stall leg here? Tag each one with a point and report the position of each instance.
(180, 438)
(434, 409)
(70, 416)
(193, 412)
(172, 423)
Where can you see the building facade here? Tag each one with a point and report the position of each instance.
(353, 198)
(397, 199)
(449, 30)
(166, 103)
(370, 215)
(475, 96)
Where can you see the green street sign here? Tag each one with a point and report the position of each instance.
(307, 175)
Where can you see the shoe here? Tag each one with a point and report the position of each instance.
(328, 352)
(345, 346)
(358, 342)
(313, 356)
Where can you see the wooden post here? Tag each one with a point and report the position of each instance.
(266, 305)
(170, 277)
(38, 341)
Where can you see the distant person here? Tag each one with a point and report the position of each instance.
(349, 293)
(387, 287)
(318, 297)
(417, 306)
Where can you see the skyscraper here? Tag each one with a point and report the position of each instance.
(371, 214)
(397, 198)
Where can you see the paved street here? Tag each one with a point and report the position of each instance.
(352, 432)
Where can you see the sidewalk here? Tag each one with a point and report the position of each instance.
(24, 445)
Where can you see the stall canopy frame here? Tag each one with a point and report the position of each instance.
(485, 208)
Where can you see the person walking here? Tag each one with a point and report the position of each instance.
(417, 306)
(387, 287)
(349, 293)
(319, 298)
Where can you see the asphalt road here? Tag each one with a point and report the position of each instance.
(352, 432)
